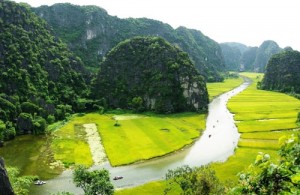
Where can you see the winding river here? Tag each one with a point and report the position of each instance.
(217, 143)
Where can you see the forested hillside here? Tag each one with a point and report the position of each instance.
(283, 72)
(148, 73)
(40, 79)
(240, 57)
(90, 32)
(263, 54)
(232, 53)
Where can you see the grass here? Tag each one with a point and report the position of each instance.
(138, 137)
(155, 187)
(263, 111)
(262, 118)
(241, 160)
(69, 145)
(215, 89)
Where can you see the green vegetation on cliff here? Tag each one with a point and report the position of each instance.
(90, 32)
(148, 73)
(240, 57)
(283, 73)
(40, 80)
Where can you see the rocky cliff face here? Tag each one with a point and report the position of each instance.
(153, 71)
(263, 54)
(5, 186)
(240, 57)
(90, 32)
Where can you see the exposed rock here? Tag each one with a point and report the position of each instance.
(5, 186)
(264, 53)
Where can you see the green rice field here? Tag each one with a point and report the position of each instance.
(69, 144)
(262, 117)
(218, 88)
(138, 137)
(155, 187)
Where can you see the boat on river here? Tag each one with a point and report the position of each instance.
(118, 177)
(39, 182)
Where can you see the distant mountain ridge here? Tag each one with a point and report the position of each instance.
(90, 32)
(238, 56)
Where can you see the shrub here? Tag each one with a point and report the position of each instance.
(266, 177)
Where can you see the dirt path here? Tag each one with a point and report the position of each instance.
(94, 141)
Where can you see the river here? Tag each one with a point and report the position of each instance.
(217, 143)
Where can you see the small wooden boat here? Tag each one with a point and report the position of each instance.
(118, 177)
(39, 182)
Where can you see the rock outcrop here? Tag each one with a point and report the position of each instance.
(5, 186)
(151, 70)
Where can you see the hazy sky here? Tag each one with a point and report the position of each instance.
(245, 21)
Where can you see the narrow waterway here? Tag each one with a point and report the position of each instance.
(216, 144)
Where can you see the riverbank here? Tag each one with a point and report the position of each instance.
(217, 147)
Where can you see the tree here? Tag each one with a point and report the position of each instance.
(39, 125)
(24, 122)
(266, 177)
(20, 184)
(194, 181)
(29, 107)
(137, 104)
(93, 182)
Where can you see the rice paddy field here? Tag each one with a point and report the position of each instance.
(262, 117)
(69, 144)
(218, 88)
(135, 138)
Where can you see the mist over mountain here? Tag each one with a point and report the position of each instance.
(90, 33)
(241, 57)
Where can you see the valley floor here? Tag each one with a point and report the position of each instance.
(261, 117)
